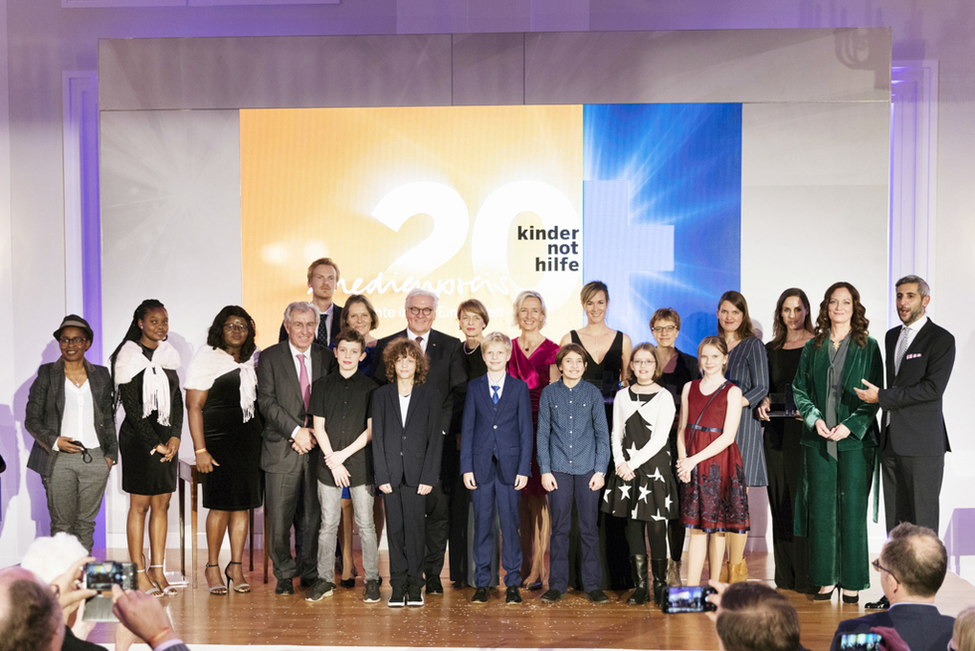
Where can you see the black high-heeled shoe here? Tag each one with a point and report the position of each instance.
(851, 598)
(825, 596)
(240, 587)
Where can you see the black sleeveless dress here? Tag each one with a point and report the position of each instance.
(606, 374)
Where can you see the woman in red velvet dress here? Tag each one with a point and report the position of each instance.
(533, 360)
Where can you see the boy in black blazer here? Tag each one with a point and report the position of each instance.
(406, 445)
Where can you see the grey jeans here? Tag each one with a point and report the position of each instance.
(330, 497)
(74, 494)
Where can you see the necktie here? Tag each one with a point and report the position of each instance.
(902, 348)
(419, 340)
(303, 381)
(322, 335)
(494, 396)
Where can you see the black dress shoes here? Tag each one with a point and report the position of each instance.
(512, 595)
(285, 586)
(434, 586)
(597, 596)
(880, 604)
(551, 596)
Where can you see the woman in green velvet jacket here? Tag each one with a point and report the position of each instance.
(839, 443)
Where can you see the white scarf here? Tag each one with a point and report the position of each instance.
(155, 383)
(210, 363)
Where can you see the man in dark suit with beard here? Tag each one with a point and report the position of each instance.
(285, 375)
(447, 376)
(913, 439)
(912, 567)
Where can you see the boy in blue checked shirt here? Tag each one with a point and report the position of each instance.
(573, 453)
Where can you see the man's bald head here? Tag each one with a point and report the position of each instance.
(30, 616)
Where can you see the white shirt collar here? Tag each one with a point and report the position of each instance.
(917, 325)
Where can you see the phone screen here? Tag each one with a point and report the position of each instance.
(687, 600)
(860, 642)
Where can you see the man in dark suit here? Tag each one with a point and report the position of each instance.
(912, 567)
(447, 376)
(285, 375)
(323, 277)
(913, 439)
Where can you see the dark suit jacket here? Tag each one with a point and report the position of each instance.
(446, 375)
(503, 431)
(914, 396)
(45, 411)
(407, 455)
(333, 330)
(279, 398)
(810, 390)
(921, 626)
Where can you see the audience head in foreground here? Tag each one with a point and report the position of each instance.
(30, 616)
(754, 617)
(912, 564)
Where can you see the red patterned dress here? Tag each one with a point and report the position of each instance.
(716, 498)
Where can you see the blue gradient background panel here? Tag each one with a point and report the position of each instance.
(662, 212)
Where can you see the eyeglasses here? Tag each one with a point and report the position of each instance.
(664, 330)
(76, 341)
(417, 311)
(881, 568)
(643, 362)
(235, 327)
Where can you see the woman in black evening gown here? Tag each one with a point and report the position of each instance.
(792, 328)
(144, 369)
(221, 405)
(609, 353)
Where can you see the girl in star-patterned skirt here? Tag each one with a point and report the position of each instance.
(643, 489)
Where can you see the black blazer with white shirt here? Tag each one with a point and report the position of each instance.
(45, 412)
(914, 396)
(407, 454)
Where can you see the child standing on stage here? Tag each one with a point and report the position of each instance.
(341, 405)
(495, 459)
(573, 454)
(714, 498)
(407, 441)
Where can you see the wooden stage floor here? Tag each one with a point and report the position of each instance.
(263, 618)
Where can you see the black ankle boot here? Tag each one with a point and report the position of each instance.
(659, 579)
(641, 595)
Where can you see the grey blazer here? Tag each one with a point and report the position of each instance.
(45, 411)
(279, 398)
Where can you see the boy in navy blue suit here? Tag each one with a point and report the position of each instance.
(495, 459)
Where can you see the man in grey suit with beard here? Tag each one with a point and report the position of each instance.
(285, 374)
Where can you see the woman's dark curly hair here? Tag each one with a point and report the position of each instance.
(404, 347)
(215, 337)
(858, 322)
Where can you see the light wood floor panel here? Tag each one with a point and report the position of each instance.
(343, 619)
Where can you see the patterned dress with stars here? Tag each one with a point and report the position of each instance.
(641, 429)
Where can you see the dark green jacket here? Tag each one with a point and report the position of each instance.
(810, 391)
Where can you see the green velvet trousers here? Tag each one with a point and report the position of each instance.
(831, 510)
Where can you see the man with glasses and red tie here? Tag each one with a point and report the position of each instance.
(447, 376)
(284, 378)
(912, 567)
